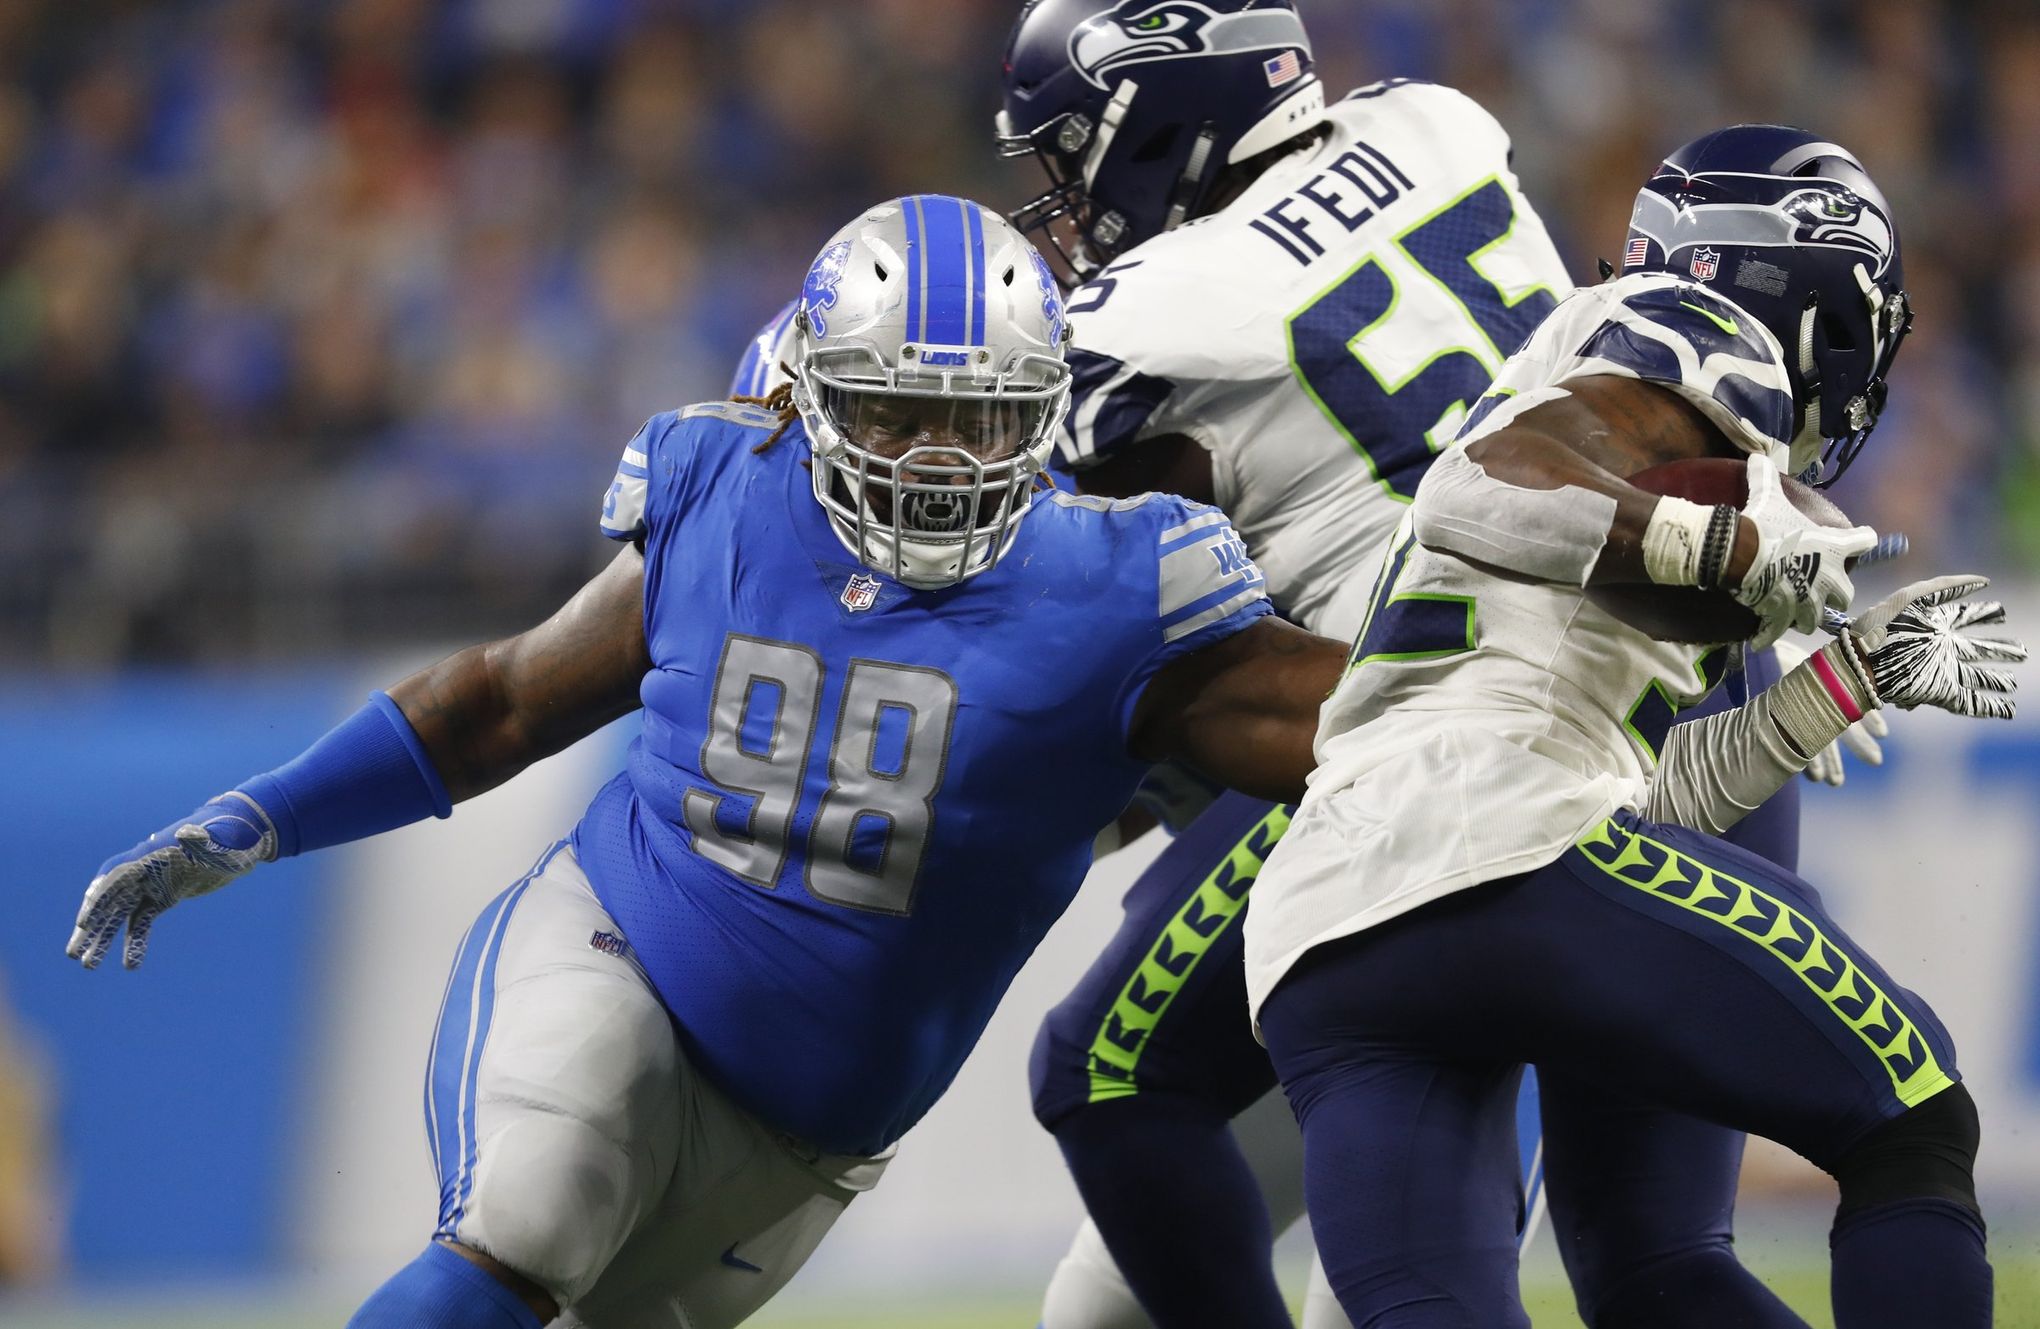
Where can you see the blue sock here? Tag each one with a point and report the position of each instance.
(1179, 1210)
(442, 1290)
(1910, 1264)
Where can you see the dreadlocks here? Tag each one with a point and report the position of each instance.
(780, 399)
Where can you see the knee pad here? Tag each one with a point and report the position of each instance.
(1928, 1152)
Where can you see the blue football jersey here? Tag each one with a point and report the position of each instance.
(855, 808)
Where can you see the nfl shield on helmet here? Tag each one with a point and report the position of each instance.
(1792, 229)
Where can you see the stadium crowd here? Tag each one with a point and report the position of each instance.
(340, 309)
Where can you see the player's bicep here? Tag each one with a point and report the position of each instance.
(1244, 709)
(487, 712)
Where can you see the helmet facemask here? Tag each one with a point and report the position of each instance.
(1840, 414)
(926, 474)
(1061, 218)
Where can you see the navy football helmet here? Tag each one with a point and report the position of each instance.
(1136, 107)
(1791, 228)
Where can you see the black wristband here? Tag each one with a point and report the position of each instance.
(1716, 546)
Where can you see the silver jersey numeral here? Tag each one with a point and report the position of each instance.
(902, 798)
(875, 819)
(771, 778)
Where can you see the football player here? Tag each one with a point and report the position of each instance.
(1290, 308)
(1491, 865)
(891, 688)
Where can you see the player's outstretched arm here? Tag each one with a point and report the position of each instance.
(1243, 711)
(444, 734)
(1548, 497)
(487, 712)
(1912, 649)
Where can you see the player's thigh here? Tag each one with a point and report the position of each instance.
(552, 1100)
(1630, 1182)
(745, 1208)
(1163, 1008)
(1673, 966)
(1410, 1159)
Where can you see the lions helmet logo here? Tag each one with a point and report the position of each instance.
(823, 278)
(1051, 297)
(1139, 31)
(1830, 214)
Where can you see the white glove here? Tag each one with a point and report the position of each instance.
(1798, 571)
(1859, 738)
(1917, 654)
(197, 854)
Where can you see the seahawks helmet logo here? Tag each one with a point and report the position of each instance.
(1139, 31)
(1830, 214)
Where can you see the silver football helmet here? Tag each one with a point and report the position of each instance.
(928, 369)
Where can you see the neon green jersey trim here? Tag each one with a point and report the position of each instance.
(1182, 945)
(1789, 935)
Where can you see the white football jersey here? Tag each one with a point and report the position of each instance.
(1484, 724)
(1324, 334)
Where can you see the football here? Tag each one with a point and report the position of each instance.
(1688, 613)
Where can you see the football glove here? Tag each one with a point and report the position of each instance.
(197, 854)
(1918, 652)
(1860, 738)
(1799, 569)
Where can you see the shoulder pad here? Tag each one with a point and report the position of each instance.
(1095, 503)
(1706, 348)
(732, 412)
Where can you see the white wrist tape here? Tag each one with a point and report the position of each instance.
(1674, 540)
(1554, 535)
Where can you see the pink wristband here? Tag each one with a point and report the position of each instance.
(1836, 689)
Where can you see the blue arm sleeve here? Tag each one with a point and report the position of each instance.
(368, 775)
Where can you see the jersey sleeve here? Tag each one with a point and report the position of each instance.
(623, 508)
(1206, 588)
(669, 456)
(1704, 348)
(1125, 372)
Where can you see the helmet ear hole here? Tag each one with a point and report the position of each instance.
(1837, 332)
(879, 269)
(1008, 278)
(1158, 145)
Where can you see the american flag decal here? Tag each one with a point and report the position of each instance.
(1638, 251)
(1284, 68)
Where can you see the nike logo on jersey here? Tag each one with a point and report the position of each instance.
(1727, 325)
(736, 1261)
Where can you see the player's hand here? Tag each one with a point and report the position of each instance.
(1800, 566)
(1860, 738)
(1919, 653)
(200, 853)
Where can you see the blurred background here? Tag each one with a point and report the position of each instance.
(321, 325)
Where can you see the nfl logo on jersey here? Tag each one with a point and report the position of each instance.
(1706, 262)
(861, 593)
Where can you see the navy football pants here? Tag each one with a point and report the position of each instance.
(1651, 964)
(1156, 1035)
